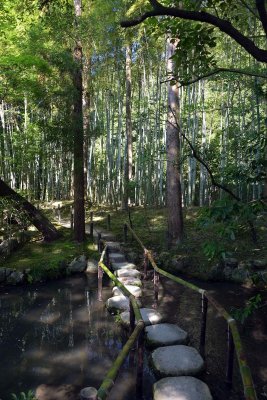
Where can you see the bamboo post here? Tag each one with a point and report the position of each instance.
(91, 230)
(107, 257)
(140, 366)
(71, 218)
(88, 393)
(109, 222)
(204, 309)
(156, 285)
(132, 317)
(99, 242)
(230, 357)
(125, 229)
(100, 283)
(145, 263)
(91, 216)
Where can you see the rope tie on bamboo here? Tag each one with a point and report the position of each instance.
(231, 319)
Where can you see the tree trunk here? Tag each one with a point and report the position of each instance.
(79, 212)
(35, 216)
(129, 154)
(174, 194)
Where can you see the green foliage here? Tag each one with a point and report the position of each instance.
(24, 396)
(241, 314)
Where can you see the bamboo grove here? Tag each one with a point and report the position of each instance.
(222, 117)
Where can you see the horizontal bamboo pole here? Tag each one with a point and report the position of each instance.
(248, 386)
(108, 382)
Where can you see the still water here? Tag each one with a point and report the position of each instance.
(57, 338)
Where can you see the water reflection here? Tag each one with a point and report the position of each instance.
(57, 338)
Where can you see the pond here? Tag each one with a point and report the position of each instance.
(57, 338)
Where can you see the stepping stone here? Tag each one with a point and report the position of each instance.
(113, 245)
(149, 317)
(135, 290)
(117, 257)
(128, 273)
(123, 265)
(176, 361)
(119, 303)
(130, 281)
(165, 335)
(181, 388)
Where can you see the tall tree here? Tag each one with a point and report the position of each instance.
(173, 177)
(78, 137)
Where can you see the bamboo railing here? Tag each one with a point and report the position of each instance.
(136, 328)
(234, 341)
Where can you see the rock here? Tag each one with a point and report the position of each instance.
(177, 361)
(134, 290)
(128, 273)
(245, 265)
(123, 265)
(2, 275)
(178, 264)
(165, 335)
(216, 272)
(116, 257)
(230, 262)
(227, 272)
(132, 256)
(9, 271)
(240, 275)
(88, 393)
(118, 303)
(130, 281)
(259, 264)
(264, 276)
(92, 267)
(181, 388)
(149, 317)
(15, 277)
(79, 264)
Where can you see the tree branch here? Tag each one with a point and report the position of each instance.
(260, 4)
(202, 16)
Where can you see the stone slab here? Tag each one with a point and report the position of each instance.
(130, 281)
(165, 335)
(149, 317)
(116, 257)
(128, 273)
(177, 360)
(113, 245)
(122, 265)
(134, 290)
(118, 303)
(181, 388)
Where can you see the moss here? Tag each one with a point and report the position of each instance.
(48, 260)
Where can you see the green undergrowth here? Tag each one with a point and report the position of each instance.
(202, 247)
(49, 260)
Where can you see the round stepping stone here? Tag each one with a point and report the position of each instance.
(135, 290)
(122, 265)
(116, 257)
(118, 303)
(149, 317)
(177, 360)
(165, 335)
(181, 388)
(128, 273)
(130, 281)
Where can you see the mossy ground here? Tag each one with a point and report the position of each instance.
(150, 226)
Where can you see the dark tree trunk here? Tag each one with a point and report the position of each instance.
(174, 192)
(129, 153)
(79, 212)
(35, 216)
